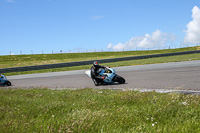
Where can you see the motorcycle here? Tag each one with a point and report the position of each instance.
(4, 81)
(109, 74)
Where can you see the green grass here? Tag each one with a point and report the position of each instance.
(89, 110)
(40, 59)
(178, 58)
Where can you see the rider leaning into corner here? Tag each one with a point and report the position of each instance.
(1, 77)
(98, 80)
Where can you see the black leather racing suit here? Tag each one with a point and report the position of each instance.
(95, 75)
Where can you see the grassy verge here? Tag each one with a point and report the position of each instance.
(89, 110)
(29, 60)
(121, 63)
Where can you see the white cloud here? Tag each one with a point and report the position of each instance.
(10, 1)
(156, 39)
(109, 45)
(96, 17)
(193, 28)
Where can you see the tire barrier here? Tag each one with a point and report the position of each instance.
(80, 63)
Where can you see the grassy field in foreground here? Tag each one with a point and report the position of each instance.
(40, 59)
(178, 58)
(89, 110)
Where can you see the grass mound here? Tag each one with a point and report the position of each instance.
(41, 59)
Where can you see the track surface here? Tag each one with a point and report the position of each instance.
(167, 76)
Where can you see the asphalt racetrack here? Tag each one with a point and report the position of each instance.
(165, 76)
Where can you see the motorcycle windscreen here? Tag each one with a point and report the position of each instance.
(88, 72)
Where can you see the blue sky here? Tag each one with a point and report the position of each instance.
(36, 26)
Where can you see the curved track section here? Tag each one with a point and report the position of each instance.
(165, 76)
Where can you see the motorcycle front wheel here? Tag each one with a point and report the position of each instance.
(8, 83)
(119, 79)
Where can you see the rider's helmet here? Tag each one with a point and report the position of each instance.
(96, 64)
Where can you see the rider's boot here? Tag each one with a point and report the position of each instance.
(95, 82)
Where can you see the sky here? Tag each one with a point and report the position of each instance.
(53, 26)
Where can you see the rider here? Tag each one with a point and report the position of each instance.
(1, 77)
(98, 80)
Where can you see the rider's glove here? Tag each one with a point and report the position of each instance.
(102, 77)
